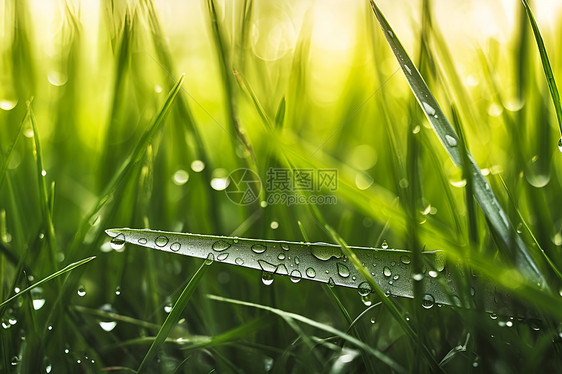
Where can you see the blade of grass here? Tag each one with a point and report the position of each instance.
(449, 139)
(172, 317)
(7, 156)
(66, 269)
(287, 316)
(555, 95)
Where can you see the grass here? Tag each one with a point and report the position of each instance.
(435, 147)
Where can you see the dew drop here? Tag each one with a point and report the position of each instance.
(281, 256)
(331, 283)
(343, 270)
(450, 140)
(390, 33)
(258, 248)
(408, 69)
(310, 272)
(219, 184)
(81, 291)
(15, 361)
(117, 290)
(396, 277)
(432, 273)
(560, 144)
(222, 256)
(274, 225)
(364, 288)
(324, 253)
(386, 271)
(239, 261)
(220, 246)
(107, 324)
(197, 166)
(285, 246)
(266, 278)
(428, 108)
(266, 266)
(384, 244)
(297, 260)
(168, 307)
(174, 247)
(417, 277)
(296, 276)
(210, 258)
(161, 241)
(143, 241)
(118, 242)
(405, 260)
(37, 298)
(180, 177)
(282, 270)
(428, 301)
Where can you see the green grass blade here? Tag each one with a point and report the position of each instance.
(287, 316)
(7, 156)
(48, 278)
(172, 317)
(545, 65)
(483, 193)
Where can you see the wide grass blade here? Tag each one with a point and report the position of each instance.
(66, 269)
(483, 193)
(546, 66)
(289, 317)
(172, 318)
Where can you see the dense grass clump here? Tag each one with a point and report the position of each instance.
(269, 129)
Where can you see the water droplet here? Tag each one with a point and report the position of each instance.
(117, 290)
(37, 298)
(197, 166)
(180, 177)
(417, 277)
(274, 225)
(384, 244)
(373, 320)
(266, 278)
(324, 253)
(48, 365)
(239, 261)
(331, 283)
(220, 184)
(364, 288)
(343, 270)
(405, 260)
(143, 241)
(258, 248)
(161, 241)
(450, 140)
(222, 256)
(310, 272)
(428, 301)
(281, 256)
(296, 276)
(408, 69)
(285, 246)
(15, 361)
(297, 260)
(174, 247)
(118, 241)
(107, 324)
(210, 258)
(432, 273)
(220, 246)
(266, 266)
(282, 270)
(428, 108)
(7, 104)
(168, 307)
(560, 144)
(396, 277)
(81, 291)
(390, 33)
(386, 271)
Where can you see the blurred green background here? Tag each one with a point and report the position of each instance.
(303, 84)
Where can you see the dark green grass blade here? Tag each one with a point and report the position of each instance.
(448, 137)
(545, 65)
(287, 316)
(172, 317)
(48, 278)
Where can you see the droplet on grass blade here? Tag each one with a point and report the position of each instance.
(343, 270)
(450, 140)
(560, 144)
(118, 242)
(384, 244)
(107, 324)
(428, 301)
(258, 248)
(220, 246)
(81, 291)
(428, 108)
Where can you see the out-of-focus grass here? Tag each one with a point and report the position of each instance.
(268, 84)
